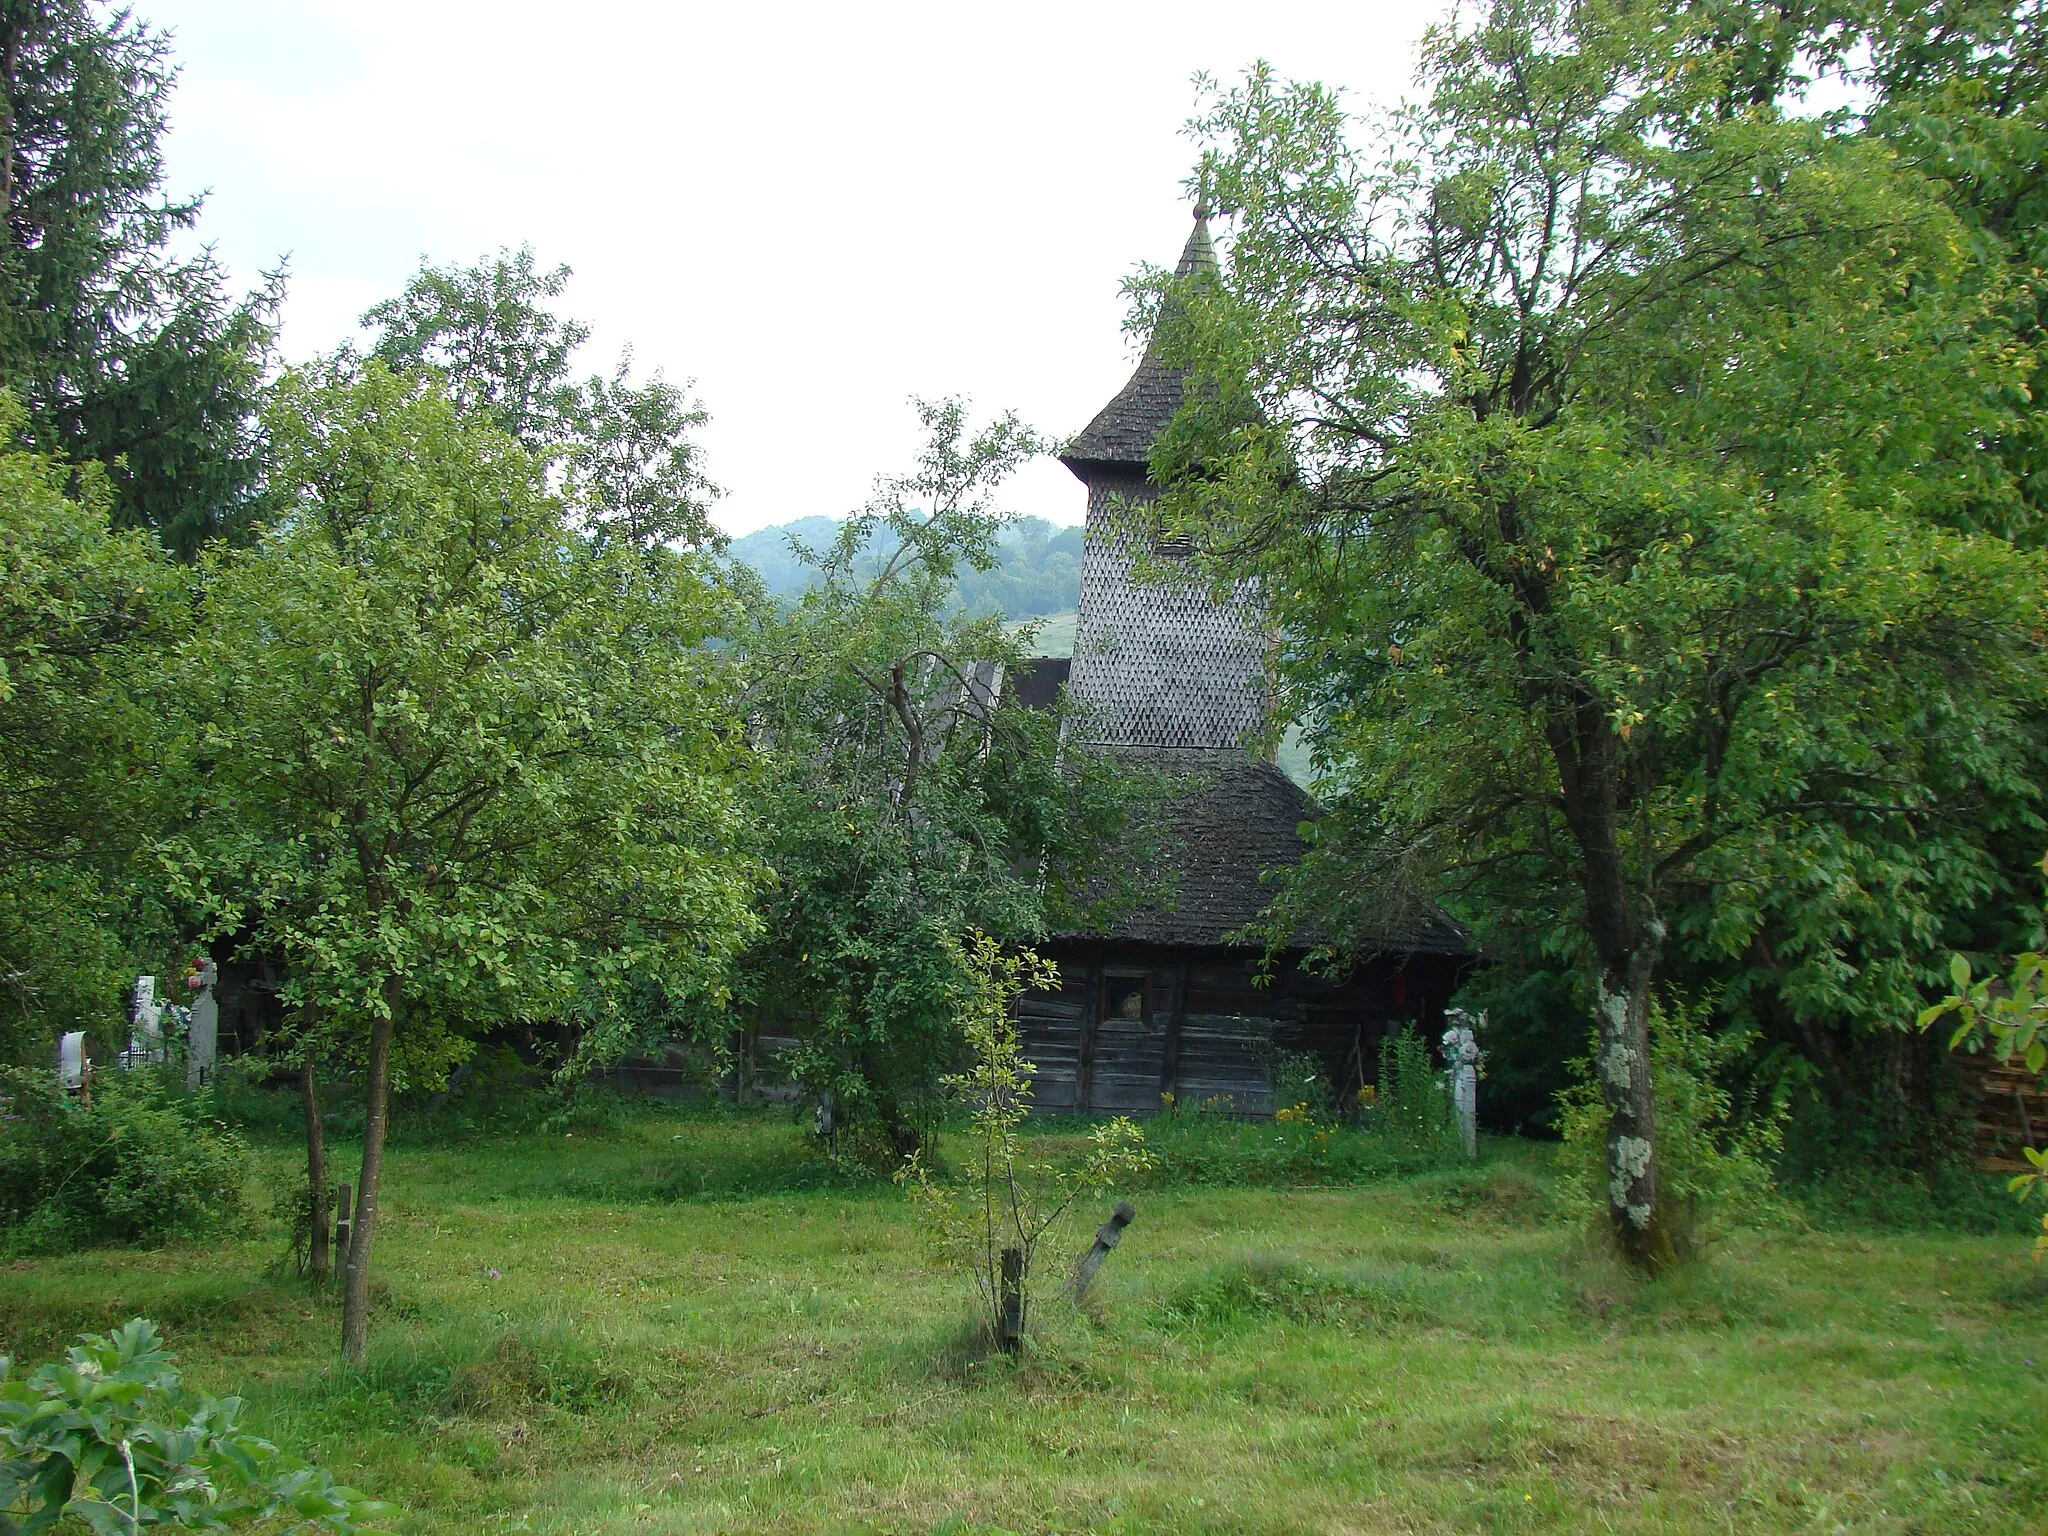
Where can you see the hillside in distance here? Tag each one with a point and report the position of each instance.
(1039, 570)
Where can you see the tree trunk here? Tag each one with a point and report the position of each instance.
(316, 1166)
(10, 68)
(355, 1294)
(1634, 1210)
(1626, 938)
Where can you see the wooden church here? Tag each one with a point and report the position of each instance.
(1162, 1007)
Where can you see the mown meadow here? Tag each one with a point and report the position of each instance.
(684, 1322)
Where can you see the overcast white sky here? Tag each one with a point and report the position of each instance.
(814, 211)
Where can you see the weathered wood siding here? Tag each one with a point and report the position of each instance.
(1209, 1033)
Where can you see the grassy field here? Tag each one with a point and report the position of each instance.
(685, 1325)
(1053, 635)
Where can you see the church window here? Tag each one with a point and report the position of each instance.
(1127, 1000)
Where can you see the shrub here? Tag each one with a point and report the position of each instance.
(1711, 1173)
(138, 1161)
(109, 1438)
(1411, 1107)
(1301, 1088)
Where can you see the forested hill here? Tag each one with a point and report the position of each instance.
(1040, 571)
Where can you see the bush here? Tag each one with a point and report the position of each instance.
(1411, 1107)
(1301, 1088)
(1711, 1173)
(137, 1162)
(108, 1437)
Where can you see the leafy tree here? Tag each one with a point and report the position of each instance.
(1961, 91)
(489, 331)
(1609, 455)
(631, 469)
(84, 614)
(460, 763)
(1037, 571)
(119, 352)
(908, 800)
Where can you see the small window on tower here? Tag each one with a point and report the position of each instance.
(1172, 546)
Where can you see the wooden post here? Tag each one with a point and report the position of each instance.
(1010, 1330)
(1169, 1056)
(343, 1225)
(1107, 1236)
(1091, 1023)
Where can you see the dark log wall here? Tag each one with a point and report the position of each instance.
(1200, 1029)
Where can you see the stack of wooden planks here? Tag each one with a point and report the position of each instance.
(2012, 1111)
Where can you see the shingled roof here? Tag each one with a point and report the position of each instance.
(1232, 818)
(1123, 431)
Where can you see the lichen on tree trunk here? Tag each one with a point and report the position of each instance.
(1634, 1210)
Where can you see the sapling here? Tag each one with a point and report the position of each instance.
(1003, 1202)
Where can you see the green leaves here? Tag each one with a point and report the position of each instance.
(1618, 484)
(2009, 1013)
(108, 1436)
(1000, 1198)
(84, 612)
(440, 735)
(630, 470)
(904, 801)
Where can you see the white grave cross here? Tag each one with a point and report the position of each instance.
(71, 1059)
(146, 1039)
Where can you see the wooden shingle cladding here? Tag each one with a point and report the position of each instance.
(1167, 673)
(1203, 1029)
(1158, 663)
(1123, 432)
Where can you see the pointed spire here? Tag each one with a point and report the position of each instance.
(1199, 255)
(1124, 430)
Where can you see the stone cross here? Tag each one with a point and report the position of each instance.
(1461, 1051)
(202, 1035)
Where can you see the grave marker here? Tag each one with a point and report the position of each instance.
(1461, 1051)
(71, 1060)
(202, 1034)
(146, 1037)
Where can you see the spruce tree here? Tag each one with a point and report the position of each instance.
(119, 351)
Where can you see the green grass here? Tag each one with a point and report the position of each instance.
(693, 1327)
(1053, 634)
